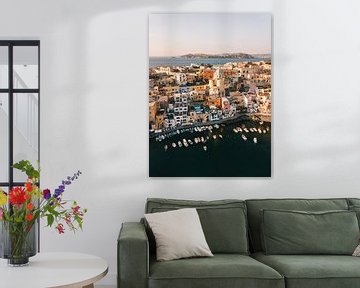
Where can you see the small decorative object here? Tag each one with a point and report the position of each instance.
(21, 208)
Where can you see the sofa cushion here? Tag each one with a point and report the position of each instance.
(222, 270)
(178, 234)
(254, 206)
(297, 232)
(356, 209)
(223, 221)
(353, 201)
(314, 271)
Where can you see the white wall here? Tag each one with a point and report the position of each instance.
(94, 106)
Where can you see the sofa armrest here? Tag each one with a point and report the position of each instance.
(133, 256)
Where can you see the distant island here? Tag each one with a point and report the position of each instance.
(222, 55)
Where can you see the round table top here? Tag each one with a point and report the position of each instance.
(68, 270)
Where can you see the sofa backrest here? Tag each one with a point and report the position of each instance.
(223, 221)
(256, 205)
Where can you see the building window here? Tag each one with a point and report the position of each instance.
(19, 108)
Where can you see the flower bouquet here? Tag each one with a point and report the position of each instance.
(21, 208)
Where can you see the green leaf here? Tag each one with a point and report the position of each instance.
(50, 219)
(28, 168)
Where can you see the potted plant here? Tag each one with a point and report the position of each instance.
(21, 208)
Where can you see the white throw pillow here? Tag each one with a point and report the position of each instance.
(357, 251)
(178, 234)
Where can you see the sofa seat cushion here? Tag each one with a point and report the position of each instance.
(313, 271)
(222, 270)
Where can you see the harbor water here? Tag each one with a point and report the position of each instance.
(229, 156)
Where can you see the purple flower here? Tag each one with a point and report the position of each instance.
(58, 192)
(46, 194)
(64, 183)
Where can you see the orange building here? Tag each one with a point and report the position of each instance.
(207, 74)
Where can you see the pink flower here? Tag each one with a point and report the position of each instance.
(60, 228)
(1, 213)
(75, 209)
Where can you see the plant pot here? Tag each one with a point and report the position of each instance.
(18, 242)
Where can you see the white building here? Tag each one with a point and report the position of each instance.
(180, 78)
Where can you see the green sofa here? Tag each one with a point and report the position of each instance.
(233, 230)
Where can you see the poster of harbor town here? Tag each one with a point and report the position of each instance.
(210, 95)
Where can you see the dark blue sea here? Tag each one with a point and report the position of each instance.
(179, 61)
(230, 156)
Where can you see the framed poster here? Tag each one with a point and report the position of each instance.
(210, 95)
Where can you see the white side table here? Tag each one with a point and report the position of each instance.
(50, 270)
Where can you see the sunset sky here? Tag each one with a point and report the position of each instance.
(175, 34)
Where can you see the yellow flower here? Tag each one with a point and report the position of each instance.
(3, 198)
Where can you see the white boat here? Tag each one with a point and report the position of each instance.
(179, 144)
(186, 144)
(220, 136)
(268, 128)
(184, 141)
(173, 145)
(191, 142)
(264, 131)
(166, 147)
(177, 131)
(259, 130)
(243, 137)
(216, 126)
(195, 140)
(205, 148)
(214, 136)
(246, 130)
(202, 139)
(235, 130)
(255, 140)
(255, 130)
(261, 122)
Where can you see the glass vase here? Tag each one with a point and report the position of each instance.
(18, 242)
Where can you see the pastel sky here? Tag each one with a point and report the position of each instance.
(175, 34)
